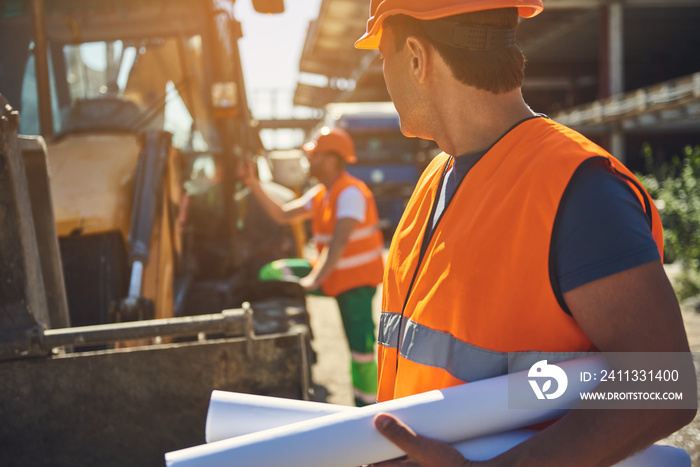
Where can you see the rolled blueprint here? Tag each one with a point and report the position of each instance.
(349, 439)
(234, 414)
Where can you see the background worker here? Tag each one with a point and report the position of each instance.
(522, 240)
(345, 227)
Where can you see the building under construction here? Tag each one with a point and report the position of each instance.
(623, 73)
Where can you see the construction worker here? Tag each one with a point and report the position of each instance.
(522, 239)
(345, 227)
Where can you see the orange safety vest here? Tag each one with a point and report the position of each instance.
(479, 301)
(361, 262)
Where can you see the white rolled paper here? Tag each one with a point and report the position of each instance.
(349, 439)
(234, 414)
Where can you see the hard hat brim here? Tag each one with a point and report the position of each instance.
(369, 41)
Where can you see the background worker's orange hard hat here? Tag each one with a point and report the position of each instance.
(379, 10)
(332, 140)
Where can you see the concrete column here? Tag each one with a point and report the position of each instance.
(41, 66)
(617, 143)
(616, 77)
(616, 44)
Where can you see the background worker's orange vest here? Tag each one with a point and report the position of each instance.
(361, 263)
(481, 298)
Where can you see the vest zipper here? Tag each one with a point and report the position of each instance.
(427, 236)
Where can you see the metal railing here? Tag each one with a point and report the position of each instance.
(654, 99)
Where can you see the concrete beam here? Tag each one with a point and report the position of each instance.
(289, 123)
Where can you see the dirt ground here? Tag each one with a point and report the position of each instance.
(331, 373)
(688, 437)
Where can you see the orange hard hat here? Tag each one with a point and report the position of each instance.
(379, 10)
(332, 140)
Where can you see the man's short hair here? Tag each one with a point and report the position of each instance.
(496, 70)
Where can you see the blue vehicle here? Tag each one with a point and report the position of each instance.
(388, 162)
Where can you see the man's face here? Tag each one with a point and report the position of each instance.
(319, 162)
(396, 78)
(388, 54)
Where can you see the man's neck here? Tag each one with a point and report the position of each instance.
(329, 179)
(477, 119)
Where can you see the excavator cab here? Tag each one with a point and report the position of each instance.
(142, 152)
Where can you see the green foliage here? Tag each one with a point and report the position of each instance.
(675, 188)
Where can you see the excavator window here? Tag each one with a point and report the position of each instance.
(118, 86)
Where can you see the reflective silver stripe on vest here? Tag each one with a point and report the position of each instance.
(356, 234)
(359, 234)
(347, 262)
(464, 361)
(388, 334)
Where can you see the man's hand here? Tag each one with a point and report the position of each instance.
(309, 283)
(281, 213)
(421, 451)
(330, 255)
(247, 171)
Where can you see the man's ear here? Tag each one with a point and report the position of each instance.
(419, 56)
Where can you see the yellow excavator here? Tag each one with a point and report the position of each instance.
(129, 257)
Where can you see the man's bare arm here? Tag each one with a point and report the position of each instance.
(329, 257)
(287, 213)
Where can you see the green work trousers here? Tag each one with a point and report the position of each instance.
(356, 312)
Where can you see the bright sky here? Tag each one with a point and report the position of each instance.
(270, 50)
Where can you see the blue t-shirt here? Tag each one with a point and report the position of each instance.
(600, 229)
